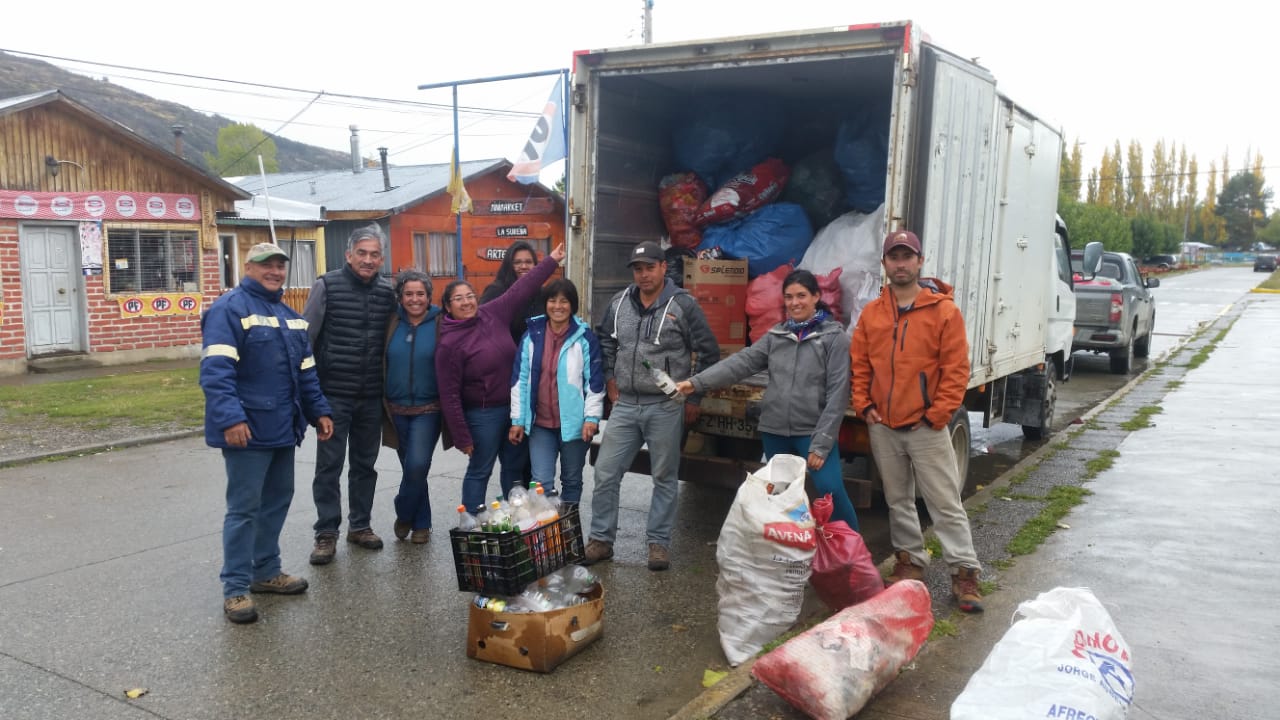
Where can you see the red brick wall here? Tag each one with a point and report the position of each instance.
(108, 331)
(12, 333)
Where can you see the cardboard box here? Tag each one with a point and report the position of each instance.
(535, 641)
(720, 287)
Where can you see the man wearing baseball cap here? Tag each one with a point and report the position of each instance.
(261, 392)
(910, 362)
(656, 322)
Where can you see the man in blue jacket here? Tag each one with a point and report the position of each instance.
(261, 392)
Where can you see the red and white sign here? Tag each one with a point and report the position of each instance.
(103, 205)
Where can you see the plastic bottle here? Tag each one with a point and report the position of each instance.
(664, 381)
(466, 521)
(549, 518)
(471, 548)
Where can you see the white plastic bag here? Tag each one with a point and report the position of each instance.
(765, 553)
(1064, 658)
(853, 243)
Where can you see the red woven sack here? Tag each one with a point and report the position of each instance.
(843, 572)
(679, 197)
(744, 192)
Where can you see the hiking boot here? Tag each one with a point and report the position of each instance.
(365, 538)
(239, 609)
(904, 569)
(326, 546)
(282, 584)
(597, 551)
(658, 559)
(964, 585)
(402, 529)
(420, 536)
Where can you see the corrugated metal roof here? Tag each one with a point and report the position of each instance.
(343, 190)
(282, 209)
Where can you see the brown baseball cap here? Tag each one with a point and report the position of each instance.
(902, 238)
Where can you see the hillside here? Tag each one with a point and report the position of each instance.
(149, 117)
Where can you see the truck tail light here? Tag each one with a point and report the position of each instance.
(1117, 306)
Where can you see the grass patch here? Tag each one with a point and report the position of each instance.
(987, 587)
(1173, 385)
(1094, 423)
(790, 634)
(1064, 445)
(944, 628)
(1103, 461)
(1142, 418)
(1060, 501)
(1023, 476)
(933, 546)
(1272, 282)
(1002, 563)
(163, 397)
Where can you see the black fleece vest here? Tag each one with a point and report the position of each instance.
(350, 345)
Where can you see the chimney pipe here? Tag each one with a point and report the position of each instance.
(386, 173)
(357, 163)
(177, 129)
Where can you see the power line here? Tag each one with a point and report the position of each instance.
(266, 136)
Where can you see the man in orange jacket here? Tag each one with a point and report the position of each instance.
(910, 363)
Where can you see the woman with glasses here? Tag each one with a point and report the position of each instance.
(473, 369)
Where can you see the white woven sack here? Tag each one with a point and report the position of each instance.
(765, 554)
(1064, 658)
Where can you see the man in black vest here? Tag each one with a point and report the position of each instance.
(347, 313)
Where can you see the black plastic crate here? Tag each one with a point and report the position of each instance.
(504, 563)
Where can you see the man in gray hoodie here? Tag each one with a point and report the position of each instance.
(651, 320)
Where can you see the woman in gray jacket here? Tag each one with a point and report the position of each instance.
(805, 399)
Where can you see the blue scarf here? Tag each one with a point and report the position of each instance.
(801, 329)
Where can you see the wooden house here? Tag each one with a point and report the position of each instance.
(412, 205)
(298, 228)
(109, 244)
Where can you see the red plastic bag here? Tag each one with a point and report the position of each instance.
(679, 197)
(843, 572)
(831, 670)
(830, 292)
(764, 301)
(745, 192)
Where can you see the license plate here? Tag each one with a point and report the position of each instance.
(726, 426)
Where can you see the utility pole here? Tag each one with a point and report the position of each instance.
(646, 32)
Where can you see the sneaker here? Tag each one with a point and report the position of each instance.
(964, 585)
(597, 551)
(365, 538)
(281, 584)
(658, 559)
(420, 536)
(402, 529)
(904, 569)
(239, 609)
(326, 546)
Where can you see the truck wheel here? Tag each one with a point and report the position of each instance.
(1046, 408)
(959, 430)
(1122, 358)
(1142, 346)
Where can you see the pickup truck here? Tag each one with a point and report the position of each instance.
(1115, 310)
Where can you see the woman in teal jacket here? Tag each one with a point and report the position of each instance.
(557, 391)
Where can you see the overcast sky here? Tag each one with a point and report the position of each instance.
(1101, 71)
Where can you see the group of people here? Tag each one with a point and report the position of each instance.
(515, 378)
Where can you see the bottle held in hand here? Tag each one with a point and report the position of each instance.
(664, 381)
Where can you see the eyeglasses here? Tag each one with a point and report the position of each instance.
(460, 298)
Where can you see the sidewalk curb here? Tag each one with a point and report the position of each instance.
(715, 698)
(99, 447)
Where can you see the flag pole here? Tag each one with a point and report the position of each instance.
(457, 159)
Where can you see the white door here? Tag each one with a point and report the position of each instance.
(53, 305)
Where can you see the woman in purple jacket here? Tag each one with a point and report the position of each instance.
(473, 370)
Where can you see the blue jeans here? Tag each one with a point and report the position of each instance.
(661, 425)
(513, 463)
(357, 425)
(259, 491)
(827, 479)
(416, 436)
(488, 428)
(545, 446)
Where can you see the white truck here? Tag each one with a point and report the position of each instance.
(971, 172)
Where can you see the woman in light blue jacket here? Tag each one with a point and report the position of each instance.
(557, 391)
